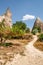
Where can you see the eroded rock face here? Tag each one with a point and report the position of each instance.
(7, 17)
(39, 23)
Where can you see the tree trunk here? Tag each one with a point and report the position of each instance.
(1, 40)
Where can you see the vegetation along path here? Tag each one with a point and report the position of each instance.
(32, 56)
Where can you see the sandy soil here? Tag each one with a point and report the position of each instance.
(32, 56)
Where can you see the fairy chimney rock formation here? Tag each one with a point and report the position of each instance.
(7, 17)
(39, 23)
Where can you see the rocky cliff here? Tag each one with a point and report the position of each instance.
(7, 18)
(39, 23)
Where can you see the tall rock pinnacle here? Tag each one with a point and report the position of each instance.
(38, 23)
(7, 17)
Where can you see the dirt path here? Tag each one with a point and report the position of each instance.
(32, 56)
(31, 48)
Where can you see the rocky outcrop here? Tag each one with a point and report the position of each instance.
(7, 17)
(39, 23)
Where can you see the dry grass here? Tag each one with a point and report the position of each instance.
(39, 45)
(26, 38)
(7, 53)
(17, 47)
(20, 41)
(24, 41)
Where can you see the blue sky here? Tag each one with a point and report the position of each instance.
(21, 8)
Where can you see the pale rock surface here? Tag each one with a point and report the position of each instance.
(7, 17)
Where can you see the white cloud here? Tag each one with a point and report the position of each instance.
(27, 17)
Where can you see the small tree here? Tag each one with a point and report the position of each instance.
(4, 32)
(1, 31)
(38, 28)
(19, 28)
(20, 25)
(27, 30)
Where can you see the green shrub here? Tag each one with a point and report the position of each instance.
(6, 44)
(41, 37)
(27, 30)
(34, 31)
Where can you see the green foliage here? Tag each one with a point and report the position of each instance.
(19, 28)
(7, 32)
(4, 32)
(20, 25)
(38, 28)
(6, 44)
(1, 30)
(34, 31)
(27, 30)
(41, 37)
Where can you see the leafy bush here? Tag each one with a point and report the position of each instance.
(41, 37)
(19, 25)
(27, 30)
(34, 31)
(19, 28)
